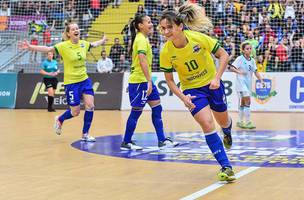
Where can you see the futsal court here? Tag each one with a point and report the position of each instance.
(38, 164)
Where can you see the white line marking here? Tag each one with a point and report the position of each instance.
(217, 185)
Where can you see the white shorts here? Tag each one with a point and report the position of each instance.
(242, 94)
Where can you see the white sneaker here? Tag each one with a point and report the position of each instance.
(88, 138)
(167, 143)
(57, 126)
(129, 146)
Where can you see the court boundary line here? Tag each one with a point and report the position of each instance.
(217, 185)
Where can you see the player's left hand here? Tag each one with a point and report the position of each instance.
(214, 84)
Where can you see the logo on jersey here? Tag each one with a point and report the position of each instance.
(196, 48)
(263, 93)
(82, 45)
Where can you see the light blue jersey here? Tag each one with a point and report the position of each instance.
(49, 66)
(244, 81)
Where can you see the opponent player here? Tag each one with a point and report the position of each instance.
(245, 66)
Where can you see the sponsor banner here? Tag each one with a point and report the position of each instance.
(20, 23)
(283, 92)
(170, 101)
(8, 85)
(32, 92)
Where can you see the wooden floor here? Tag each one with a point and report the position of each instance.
(37, 164)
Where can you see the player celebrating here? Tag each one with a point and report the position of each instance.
(141, 88)
(189, 53)
(77, 84)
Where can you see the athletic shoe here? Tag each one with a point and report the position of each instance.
(129, 146)
(241, 125)
(250, 125)
(227, 141)
(167, 143)
(51, 110)
(57, 126)
(88, 138)
(226, 174)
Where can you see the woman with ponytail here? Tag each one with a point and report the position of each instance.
(189, 52)
(141, 88)
(76, 81)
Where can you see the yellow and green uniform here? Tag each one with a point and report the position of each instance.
(141, 45)
(193, 63)
(74, 56)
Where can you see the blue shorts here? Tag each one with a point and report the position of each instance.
(138, 94)
(205, 96)
(74, 91)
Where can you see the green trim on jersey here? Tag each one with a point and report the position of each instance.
(167, 70)
(216, 47)
(141, 52)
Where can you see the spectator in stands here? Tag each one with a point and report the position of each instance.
(104, 64)
(271, 48)
(140, 10)
(95, 7)
(296, 55)
(142, 90)
(115, 51)
(116, 3)
(49, 70)
(123, 65)
(253, 42)
(126, 33)
(290, 9)
(77, 84)
(261, 62)
(229, 47)
(4, 9)
(34, 41)
(276, 12)
(281, 59)
(47, 37)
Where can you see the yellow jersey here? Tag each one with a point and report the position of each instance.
(261, 67)
(141, 45)
(193, 63)
(74, 58)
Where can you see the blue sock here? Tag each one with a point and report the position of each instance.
(158, 122)
(216, 146)
(131, 124)
(227, 131)
(87, 120)
(66, 115)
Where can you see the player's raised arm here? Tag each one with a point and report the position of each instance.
(27, 46)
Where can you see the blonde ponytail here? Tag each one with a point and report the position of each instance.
(193, 17)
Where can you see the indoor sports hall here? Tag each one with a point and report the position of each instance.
(36, 163)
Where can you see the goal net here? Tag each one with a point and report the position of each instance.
(274, 29)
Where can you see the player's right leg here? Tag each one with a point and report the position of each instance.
(138, 99)
(214, 142)
(73, 100)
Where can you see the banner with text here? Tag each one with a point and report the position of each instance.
(8, 85)
(32, 92)
(283, 92)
